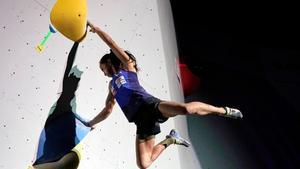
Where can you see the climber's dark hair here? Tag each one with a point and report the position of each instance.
(115, 61)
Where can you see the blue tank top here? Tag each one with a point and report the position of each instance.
(128, 92)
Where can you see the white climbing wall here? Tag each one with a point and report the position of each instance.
(31, 81)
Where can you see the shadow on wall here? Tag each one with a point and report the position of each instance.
(63, 129)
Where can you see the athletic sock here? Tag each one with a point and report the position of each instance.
(167, 142)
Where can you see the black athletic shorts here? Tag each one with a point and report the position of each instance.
(148, 118)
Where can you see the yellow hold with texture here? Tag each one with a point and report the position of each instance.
(69, 17)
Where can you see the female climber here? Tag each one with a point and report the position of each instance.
(140, 107)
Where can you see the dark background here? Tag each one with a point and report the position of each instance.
(247, 55)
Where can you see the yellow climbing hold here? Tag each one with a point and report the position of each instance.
(69, 17)
(30, 167)
(78, 149)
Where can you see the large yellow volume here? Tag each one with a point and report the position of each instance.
(69, 17)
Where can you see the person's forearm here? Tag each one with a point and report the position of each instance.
(100, 117)
(104, 36)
